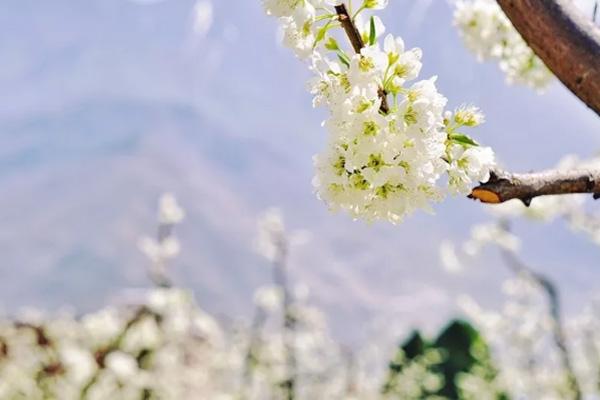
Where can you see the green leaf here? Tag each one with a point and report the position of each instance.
(332, 44)
(462, 139)
(372, 32)
(343, 58)
(321, 33)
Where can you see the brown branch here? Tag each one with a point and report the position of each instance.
(504, 186)
(565, 39)
(358, 44)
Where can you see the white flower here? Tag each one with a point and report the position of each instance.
(469, 166)
(298, 34)
(281, 8)
(468, 116)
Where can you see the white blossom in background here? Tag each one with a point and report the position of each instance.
(449, 257)
(166, 346)
(455, 258)
(169, 210)
(379, 164)
(158, 251)
(269, 298)
(202, 17)
(271, 238)
(165, 246)
(490, 35)
(539, 355)
(518, 335)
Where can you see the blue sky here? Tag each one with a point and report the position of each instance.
(108, 103)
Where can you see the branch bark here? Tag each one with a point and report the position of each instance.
(357, 44)
(504, 186)
(566, 40)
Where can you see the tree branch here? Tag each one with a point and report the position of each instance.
(566, 40)
(504, 186)
(357, 44)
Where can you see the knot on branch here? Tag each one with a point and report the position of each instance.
(487, 192)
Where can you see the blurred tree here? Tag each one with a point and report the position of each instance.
(459, 349)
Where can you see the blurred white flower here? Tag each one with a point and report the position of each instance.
(79, 363)
(159, 251)
(488, 33)
(449, 257)
(145, 335)
(169, 211)
(271, 234)
(491, 233)
(269, 298)
(102, 326)
(162, 300)
(203, 17)
(123, 365)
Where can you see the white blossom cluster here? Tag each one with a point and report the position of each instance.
(166, 348)
(489, 34)
(390, 140)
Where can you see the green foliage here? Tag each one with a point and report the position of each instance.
(372, 32)
(459, 350)
(462, 139)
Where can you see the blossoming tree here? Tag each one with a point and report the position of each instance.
(392, 145)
